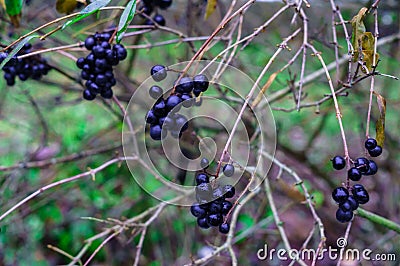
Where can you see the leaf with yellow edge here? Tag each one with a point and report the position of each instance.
(380, 124)
(66, 6)
(264, 88)
(211, 6)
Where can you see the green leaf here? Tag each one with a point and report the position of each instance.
(87, 11)
(126, 18)
(14, 7)
(380, 124)
(16, 49)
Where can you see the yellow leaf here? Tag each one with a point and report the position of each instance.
(211, 6)
(358, 27)
(380, 124)
(66, 6)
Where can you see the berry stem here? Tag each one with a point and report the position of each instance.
(335, 101)
(371, 90)
(208, 41)
(282, 46)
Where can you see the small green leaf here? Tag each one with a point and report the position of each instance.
(126, 18)
(14, 7)
(17, 48)
(87, 11)
(380, 124)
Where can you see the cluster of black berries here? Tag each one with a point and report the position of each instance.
(164, 112)
(211, 205)
(362, 166)
(31, 67)
(97, 67)
(150, 5)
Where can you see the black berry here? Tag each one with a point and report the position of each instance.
(375, 152)
(229, 191)
(228, 170)
(373, 168)
(200, 82)
(224, 228)
(202, 222)
(370, 144)
(362, 164)
(340, 194)
(197, 211)
(344, 216)
(158, 73)
(338, 162)
(204, 163)
(354, 174)
(155, 92)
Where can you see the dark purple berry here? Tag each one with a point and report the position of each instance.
(202, 222)
(187, 100)
(163, 4)
(200, 82)
(340, 194)
(373, 168)
(204, 163)
(215, 207)
(218, 193)
(80, 62)
(375, 152)
(173, 102)
(229, 191)
(106, 94)
(370, 144)
(155, 92)
(338, 162)
(90, 42)
(185, 85)
(214, 219)
(158, 72)
(159, 19)
(354, 174)
(224, 228)
(228, 170)
(202, 178)
(155, 132)
(197, 211)
(226, 207)
(360, 194)
(344, 216)
(88, 95)
(362, 164)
